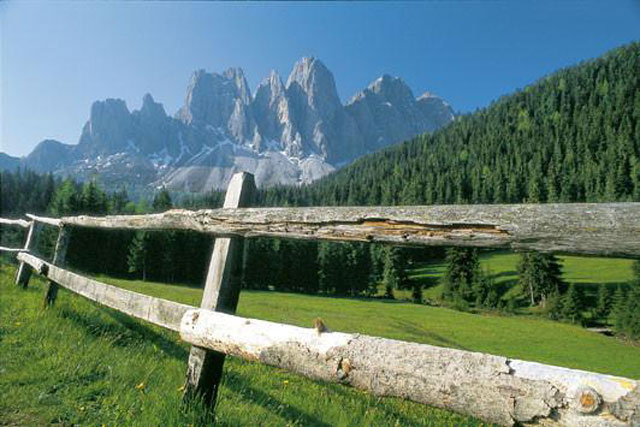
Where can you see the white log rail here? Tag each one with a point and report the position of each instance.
(493, 388)
(18, 222)
(158, 311)
(5, 249)
(45, 220)
(610, 229)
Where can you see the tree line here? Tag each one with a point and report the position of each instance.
(573, 136)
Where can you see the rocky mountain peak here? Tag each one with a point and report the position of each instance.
(285, 133)
(236, 75)
(391, 88)
(49, 155)
(108, 128)
(151, 108)
(312, 78)
(211, 99)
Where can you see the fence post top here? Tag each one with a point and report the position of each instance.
(240, 191)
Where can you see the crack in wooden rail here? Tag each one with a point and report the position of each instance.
(610, 229)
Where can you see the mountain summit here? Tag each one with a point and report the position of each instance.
(283, 133)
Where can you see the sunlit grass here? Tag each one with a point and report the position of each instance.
(79, 363)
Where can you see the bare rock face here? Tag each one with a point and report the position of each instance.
(436, 110)
(387, 112)
(109, 128)
(49, 155)
(318, 114)
(270, 108)
(284, 133)
(153, 130)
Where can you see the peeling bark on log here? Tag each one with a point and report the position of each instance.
(154, 310)
(23, 273)
(221, 292)
(59, 255)
(492, 388)
(611, 229)
(19, 222)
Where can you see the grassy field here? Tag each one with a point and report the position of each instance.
(79, 363)
(503, 267)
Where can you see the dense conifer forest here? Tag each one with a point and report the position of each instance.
(572, 136)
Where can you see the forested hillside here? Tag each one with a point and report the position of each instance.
(572, 136)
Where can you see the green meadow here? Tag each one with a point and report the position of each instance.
(589, 272)
(79, 363)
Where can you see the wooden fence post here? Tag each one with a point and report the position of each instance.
(221, 292)
(59, 256)
(24, 271)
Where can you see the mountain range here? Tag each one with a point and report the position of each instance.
(284, 133)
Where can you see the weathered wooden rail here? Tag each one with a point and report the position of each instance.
(584, 228)
(493, 388)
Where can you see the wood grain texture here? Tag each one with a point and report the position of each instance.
(610, 229)
(158, 311)
(221, 293)
(492, 388)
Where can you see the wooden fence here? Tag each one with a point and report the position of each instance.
(493, 388)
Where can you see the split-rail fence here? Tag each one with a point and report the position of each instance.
(492, 388)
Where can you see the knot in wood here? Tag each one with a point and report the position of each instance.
(587, 400)
(344, 367)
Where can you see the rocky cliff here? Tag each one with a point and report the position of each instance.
(283, 133)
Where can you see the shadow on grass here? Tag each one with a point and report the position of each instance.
(509, 274)
(421, 333)
(241, 386)
(125, 332)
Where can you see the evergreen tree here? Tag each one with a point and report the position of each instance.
(539, 276)
(492, 300)
(137, 258)
(603, 302)
(572, 305)
(564, 138)
(394, 272)
(462, 274)
(553, 308)
(65, 200)
(119, 201)
(631, 320)
(619, 307)
(162, 201)
(92, 199)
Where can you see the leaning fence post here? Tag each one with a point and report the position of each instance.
(24, 271)
(59, 256)
(221, 292)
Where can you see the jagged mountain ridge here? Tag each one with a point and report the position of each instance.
(283, 133)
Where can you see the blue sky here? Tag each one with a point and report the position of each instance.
(57, 58)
